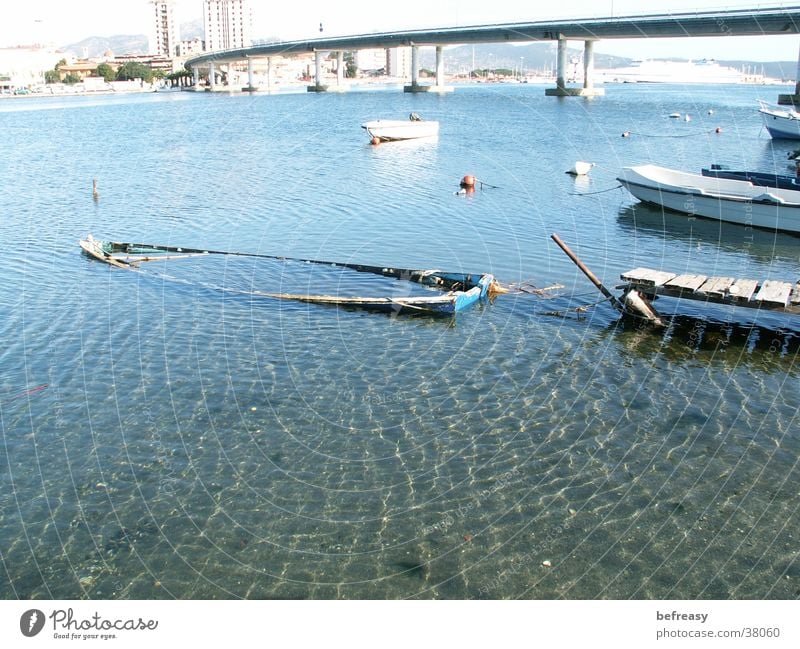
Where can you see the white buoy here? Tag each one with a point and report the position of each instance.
(710, 111)
(687, 118)
(581, 168)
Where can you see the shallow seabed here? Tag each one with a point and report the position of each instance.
(167, 434)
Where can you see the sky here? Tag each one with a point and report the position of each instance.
(62, 22)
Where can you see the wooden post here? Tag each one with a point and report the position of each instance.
(592, 277)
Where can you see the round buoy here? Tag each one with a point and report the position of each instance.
(718, 130)
(376, 140)
(626, 134)
(468, 181)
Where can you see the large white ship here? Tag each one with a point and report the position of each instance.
(705, 71)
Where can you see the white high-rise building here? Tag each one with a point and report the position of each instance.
(228, 24)
(164, 36)
(399, 62)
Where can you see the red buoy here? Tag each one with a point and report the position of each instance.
(468, 181)
(376, 140)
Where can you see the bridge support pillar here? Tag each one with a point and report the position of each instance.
(195, 77)
(212, 74)
(251, 86)
(561, 89)
(339, 87)
(318, 85)
(794, 99)
(415, 84)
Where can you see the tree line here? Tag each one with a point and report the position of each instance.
(126, 72)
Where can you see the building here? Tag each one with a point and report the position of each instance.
(372, 60)
(24, 67)
(164, 34)
(399, 62)
(191, 48)
(228, 24)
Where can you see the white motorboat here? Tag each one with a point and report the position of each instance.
(387, 130)
(780, 122)
(722, 199)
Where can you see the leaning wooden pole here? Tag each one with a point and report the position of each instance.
(619, 306)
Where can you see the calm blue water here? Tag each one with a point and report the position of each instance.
(169, 435)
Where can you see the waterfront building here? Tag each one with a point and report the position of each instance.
(191, 47)
(24, 67)
(228, 24)
(398, 62)
(164, 34)
(372, 60)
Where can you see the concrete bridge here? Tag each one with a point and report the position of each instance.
(772, 21)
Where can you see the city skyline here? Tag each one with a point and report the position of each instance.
(52, 22)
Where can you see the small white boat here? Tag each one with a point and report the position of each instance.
(780, 122)
(581, 168)
(387, 130)
(722, 199)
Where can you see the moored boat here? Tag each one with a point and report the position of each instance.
(780, 122)
(756, 177)
(388, 130)
(722, 199)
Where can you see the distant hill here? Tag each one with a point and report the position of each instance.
(96, 46)
(532, 57)
(192, 29)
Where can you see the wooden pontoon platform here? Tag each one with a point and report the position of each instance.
(771, 295)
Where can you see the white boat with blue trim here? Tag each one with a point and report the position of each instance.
(712, 197)
(781, 123)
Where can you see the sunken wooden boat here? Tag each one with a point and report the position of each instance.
(455, 291)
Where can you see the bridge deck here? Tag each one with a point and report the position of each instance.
(735, 22)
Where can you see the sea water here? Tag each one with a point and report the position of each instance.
(170, 434)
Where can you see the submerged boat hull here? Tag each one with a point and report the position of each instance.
(388, 130)
(728, 200)
(456, 291)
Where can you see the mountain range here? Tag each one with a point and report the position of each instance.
(531, 57)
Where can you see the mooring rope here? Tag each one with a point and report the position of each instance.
(599, 191)
(576, 309)
(695, 134)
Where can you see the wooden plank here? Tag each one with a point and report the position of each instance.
(716, 286)
(647, 276)
(775, 292)
(687, 282)
(742, 289)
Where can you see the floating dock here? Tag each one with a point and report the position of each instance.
(769, 295)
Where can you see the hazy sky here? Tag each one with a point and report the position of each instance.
(62, 22)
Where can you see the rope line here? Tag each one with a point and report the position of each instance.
(673, 136)
(599, 191)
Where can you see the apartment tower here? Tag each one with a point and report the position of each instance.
(164, 37)
(228, 24)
